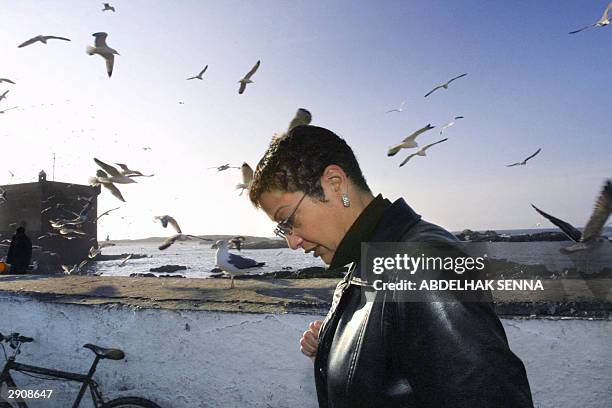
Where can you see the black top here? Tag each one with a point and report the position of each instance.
(349, 249)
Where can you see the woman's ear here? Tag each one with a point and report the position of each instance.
(334, 179)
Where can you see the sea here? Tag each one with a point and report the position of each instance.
(200, 258)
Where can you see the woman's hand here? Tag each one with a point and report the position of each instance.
(310, 339)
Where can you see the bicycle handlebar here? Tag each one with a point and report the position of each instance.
(16, 337)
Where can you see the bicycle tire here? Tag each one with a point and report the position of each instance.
(130, 402)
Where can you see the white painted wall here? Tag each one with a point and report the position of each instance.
(253, 360)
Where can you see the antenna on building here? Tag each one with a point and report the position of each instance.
(53, 176)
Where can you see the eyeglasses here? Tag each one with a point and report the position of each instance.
(285, 227)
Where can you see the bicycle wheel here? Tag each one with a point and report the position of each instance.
(130, 402)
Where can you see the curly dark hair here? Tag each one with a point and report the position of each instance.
(296, 161)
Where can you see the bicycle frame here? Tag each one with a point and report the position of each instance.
(88, 382)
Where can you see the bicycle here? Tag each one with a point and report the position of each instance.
(15, 341)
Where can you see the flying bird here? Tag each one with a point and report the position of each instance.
(409, 142)
(247, 78)
(8, 109)
(43, 39)
(179, 237)
(223, 167)
(449, 124)
(524, 162)
(199, 76)
(232, 264)
(302, 117)
(591, 234)
(247, 178)
(421, 151)
(400, 109)
(103, 179)
(6, 80)
(445, 86)
(104, 51)
(108, 7)
(166, 219)
(115, 175)
(602, 22)
(3, 96)
(131, 173)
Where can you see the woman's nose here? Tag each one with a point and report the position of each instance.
(294, 241)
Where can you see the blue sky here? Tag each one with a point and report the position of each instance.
(529, 85)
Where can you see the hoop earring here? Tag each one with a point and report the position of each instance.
(345, 200)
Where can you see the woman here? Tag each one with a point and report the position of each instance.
(387, 353)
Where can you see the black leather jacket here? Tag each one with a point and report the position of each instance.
(396, 354)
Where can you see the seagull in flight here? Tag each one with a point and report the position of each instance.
(3, 96)
(602, 22)
(247, 78)
(115, 175)
(8, 109)
(104, 51)
(409, 142)
(400, 109)
(179, 237)
(449, 124)
(102, 178)
(223, 167)
(166, 219)
(6, 80)
(125, 170)
(524, 162)
(445, 86)
(232, 264)
(42, 38)
(591, 233)
(421, 151)
(108, 7)
(247, 178)
(199, 76)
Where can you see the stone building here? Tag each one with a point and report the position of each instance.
(33, 205)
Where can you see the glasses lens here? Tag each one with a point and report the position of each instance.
(283, 229)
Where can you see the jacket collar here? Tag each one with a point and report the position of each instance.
(395, 221)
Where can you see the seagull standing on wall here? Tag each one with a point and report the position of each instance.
(232, 264)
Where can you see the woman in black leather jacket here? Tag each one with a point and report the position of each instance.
(385, 353)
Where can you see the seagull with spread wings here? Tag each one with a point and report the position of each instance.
(165, 220)
(409, 142)
(247, 78)
(108, 7)
(199, 76)
(3, 96)
(602, 22)
(421, 151)
(591, 233)
(115, 175)
(41, 38)
(223, 167)
(399, 109)
(6, 80)
(524, 162)
(449, 124)
(445, 86)
(125, 170)
(103, 179)
(103, 50)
